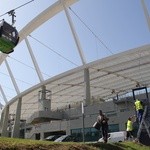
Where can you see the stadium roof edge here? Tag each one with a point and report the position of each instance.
(80, 68)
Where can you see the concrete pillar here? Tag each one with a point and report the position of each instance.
(5, 122)
(87, 86)
(68, 129)
(44, 99)
(2, 119)
(41, 135)
(16, 128)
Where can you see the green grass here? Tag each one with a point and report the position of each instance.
(24, 144)
(121, 146)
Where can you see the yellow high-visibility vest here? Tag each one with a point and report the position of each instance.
(129, 125)
(138, 105)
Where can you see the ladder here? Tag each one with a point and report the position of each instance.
(145, 122)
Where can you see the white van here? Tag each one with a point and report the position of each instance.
(115, 137)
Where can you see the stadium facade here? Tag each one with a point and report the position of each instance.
(55, 105)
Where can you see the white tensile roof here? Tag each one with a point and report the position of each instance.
(117, 74)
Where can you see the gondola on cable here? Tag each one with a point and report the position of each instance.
(9, 36)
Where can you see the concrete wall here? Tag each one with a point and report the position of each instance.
(117, 113)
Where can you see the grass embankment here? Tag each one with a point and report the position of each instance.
(23, 144)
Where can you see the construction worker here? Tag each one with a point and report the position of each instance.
(139, 110)
(129, 128)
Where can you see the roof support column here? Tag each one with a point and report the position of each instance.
(146, 13)
(87, 86)
(74, 33)
(2, 119)
(16, 128)
(5, 122)
(34, 61)
(12, 77)
(3, 94)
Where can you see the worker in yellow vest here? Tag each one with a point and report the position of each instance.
(129, 129)
(139, 109)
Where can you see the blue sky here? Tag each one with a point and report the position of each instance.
(119, 24)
